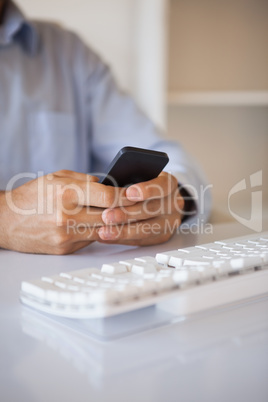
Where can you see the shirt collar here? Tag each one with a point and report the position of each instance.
(16, 28)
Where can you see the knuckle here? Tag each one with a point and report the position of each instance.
(66, 194)
(108, 197)
(51, 176)
(62, 172)
(152, 207)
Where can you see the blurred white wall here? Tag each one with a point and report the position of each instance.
(129, 34)
(218, 51)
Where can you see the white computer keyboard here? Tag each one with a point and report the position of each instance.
(197, 278)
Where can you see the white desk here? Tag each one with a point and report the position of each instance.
(220, 355)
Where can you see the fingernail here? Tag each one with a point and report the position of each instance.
(108, 216)
(133, 194)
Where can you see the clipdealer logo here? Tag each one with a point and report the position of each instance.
(255, 220)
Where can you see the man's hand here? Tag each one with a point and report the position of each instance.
(56, 214)
(65, 211)
(154, 217)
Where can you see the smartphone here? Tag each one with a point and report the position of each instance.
(133, 165)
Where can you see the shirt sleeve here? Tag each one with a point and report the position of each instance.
(116, 121)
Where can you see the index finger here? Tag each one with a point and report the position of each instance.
(100, 195)
(159, 187)
(79, 189)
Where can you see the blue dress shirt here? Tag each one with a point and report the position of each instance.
(60, 108)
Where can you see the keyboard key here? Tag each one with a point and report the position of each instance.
(142, 268)
(46, 279)
(149, 260)
(65, 275)
(79, 280)
(128, 263)
(115, 268)
(60, 285)
(164, 258)
(186, 277)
